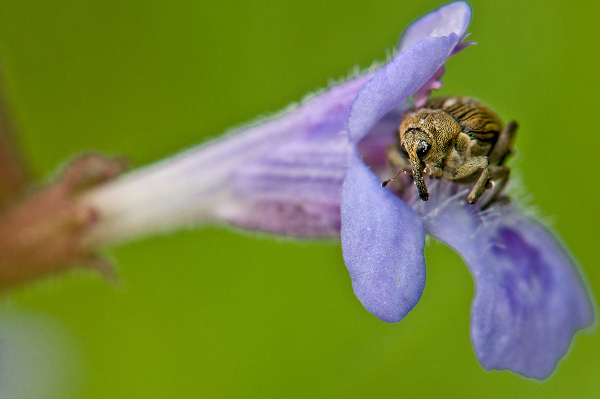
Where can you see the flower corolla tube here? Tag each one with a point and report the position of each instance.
(315, 170)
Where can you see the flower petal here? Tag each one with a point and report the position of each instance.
(530, 299)
(396, 82)
(382, 244)
(450, 18)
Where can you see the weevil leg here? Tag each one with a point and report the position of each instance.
(500, 175)
(480, 186)
(469, 167)
(503, 146)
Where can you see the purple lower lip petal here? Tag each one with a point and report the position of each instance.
(530, 299)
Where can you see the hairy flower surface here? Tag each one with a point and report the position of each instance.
(311, 171)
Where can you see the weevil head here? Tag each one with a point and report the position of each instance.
(415, 144)
(426, 136)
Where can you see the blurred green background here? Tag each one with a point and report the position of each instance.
(215, 313)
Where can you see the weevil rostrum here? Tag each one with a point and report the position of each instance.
(454, 138)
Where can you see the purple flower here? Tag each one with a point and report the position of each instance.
(315, 171)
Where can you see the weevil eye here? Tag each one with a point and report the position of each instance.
(403, 151)
(422, 149)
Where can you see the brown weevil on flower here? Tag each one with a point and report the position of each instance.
(454, 138)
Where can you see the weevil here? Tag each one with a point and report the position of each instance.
(454, 138)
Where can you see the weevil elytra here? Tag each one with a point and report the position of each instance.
(454, 138)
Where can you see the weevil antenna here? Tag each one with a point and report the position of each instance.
(385, 183)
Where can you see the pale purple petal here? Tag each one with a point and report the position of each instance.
(396, 82)
(382, 244)
(530, 299)
(450, 18)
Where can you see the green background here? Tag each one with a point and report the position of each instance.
(214, 313)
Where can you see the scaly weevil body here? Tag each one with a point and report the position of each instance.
(454, 138)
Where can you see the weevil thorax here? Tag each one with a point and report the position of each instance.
(426, 137)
